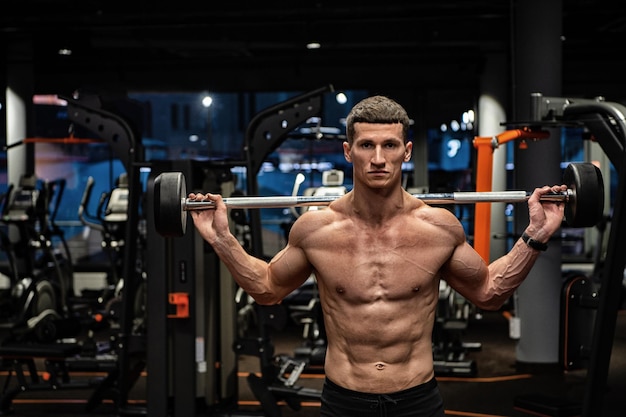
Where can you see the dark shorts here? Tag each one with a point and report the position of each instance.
(421, 401)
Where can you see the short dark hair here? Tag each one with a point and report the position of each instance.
(377, 109)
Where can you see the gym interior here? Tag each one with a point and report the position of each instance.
(112, 305)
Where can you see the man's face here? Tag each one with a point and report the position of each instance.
(377, 153)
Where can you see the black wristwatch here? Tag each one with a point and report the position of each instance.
(535, 244)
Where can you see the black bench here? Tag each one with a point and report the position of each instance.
(58, 359)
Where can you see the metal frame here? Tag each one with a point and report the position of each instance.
(122, 139)
(607, 123)
(265, 132)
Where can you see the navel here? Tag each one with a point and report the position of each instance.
(380, 366)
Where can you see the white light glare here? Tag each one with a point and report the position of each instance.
(341, 98)
(468, 117)
(455, 126)
(207, 101)
(313, 45)
(453, 147)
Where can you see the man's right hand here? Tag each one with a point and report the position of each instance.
(210, 223)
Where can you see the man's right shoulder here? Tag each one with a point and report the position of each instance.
(312, 222)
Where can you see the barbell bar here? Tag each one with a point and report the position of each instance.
(583, 199)
(464, 197)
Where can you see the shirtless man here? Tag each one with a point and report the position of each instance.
(378, 254)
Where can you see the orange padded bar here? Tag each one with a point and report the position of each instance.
(485, 147)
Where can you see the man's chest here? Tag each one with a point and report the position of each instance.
(371, 270)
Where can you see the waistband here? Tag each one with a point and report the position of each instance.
(418, 389)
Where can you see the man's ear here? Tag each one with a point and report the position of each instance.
(408, 151)
(346, 151)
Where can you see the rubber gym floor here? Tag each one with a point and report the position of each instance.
(495, 390)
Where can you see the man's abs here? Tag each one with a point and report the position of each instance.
(373, 373)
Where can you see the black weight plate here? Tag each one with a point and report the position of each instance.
(586, 206)
(170, 220)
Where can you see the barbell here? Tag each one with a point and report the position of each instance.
(583, 199)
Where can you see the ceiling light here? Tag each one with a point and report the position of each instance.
(313, 45)
(207, 101)
(64, 51)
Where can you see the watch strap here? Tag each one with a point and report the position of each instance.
(535, 244)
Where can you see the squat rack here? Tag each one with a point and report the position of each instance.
(126, 144)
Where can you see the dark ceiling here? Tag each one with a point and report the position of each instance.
(260, 46)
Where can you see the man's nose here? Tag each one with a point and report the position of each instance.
(378, 157)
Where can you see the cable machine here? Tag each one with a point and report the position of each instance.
(606, 122)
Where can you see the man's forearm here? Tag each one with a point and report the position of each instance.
(508, 272)
(249, 272)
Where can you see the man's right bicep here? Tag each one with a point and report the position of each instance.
(289, 269)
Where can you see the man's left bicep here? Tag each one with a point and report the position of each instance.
(465, 271)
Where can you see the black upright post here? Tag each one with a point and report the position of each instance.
(175, 266)
(189, 365)
(537, 66)
(609, 302)
(157, 252)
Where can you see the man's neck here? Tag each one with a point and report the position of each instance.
(377, 205)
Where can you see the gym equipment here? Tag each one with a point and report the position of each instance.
(110, 220)
(188, 272)
(579, 302)
(49, 366)
(332, 185)
(304, 308)
(450, 353)
(606, 123)
(44, 315)
(485, 146)
(88, 112)
(36, 306)
(279, 373)
(183, 265)
(584, 199)
(264, 134)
